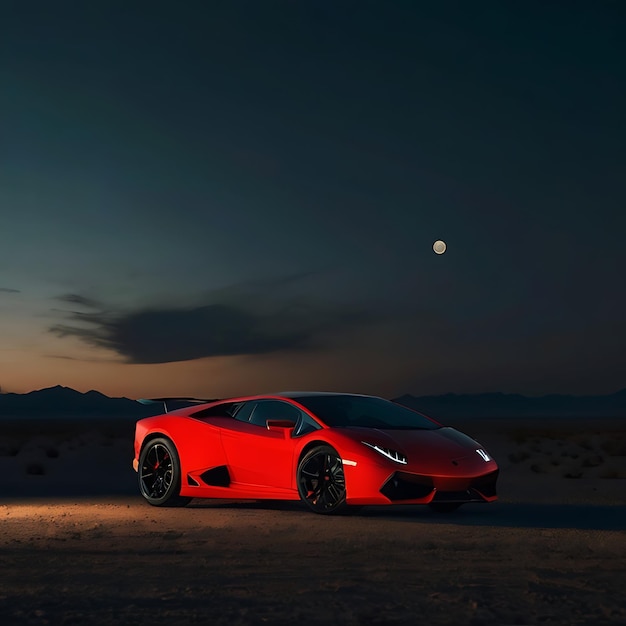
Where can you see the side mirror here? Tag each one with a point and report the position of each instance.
(281, 426)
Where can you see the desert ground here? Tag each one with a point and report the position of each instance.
(79, 546)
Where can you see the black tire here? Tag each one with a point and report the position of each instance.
(159, 474)
(445, 507)
(321, 481)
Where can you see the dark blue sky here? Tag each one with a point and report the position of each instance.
(229, 197)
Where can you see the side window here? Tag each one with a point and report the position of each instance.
(274, 410)
(221, 410)
(244, 410)
(259, 411)
(306, 425)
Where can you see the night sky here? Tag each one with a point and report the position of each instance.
(219, 198)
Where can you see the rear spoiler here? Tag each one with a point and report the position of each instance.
(174, 399)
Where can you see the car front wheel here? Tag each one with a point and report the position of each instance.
(159, 474)
(321, 481)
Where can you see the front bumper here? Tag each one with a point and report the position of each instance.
(378, 485)
(406, 487)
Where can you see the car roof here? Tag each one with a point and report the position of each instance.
(302, 394)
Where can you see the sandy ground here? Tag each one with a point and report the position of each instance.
(79, 546)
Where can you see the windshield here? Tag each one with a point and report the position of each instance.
(364, 411)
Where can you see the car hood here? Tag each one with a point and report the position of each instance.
(424, 447)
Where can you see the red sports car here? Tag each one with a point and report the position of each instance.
(330, 450)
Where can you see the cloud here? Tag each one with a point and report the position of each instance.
(73, 298)
(81, 359)
(163, 335)
(7, 290)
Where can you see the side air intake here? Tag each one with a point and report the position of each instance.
(216, 477)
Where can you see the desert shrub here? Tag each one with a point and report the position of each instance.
(52, 453)
(593, 461)
(8, 449)
(611, 472)
(582, 440)
(614, 447)
(573, 474)
(538, 469)
(519, 456)
(35, 469)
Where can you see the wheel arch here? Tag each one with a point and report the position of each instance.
(309, 446)
(156, 435)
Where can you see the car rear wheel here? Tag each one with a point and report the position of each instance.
(321, 481)
(159, 474)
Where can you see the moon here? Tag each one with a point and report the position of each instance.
(439, 246)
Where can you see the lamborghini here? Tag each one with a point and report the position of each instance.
(332, 451)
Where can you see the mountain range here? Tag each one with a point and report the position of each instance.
(511, 405)
(63, 402)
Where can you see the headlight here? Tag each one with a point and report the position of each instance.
(483, 454)
(393, 455)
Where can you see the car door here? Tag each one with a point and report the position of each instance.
(256, 455)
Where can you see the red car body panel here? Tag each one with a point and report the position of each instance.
(262, 462)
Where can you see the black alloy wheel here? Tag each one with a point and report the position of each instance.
(159, 474)
(321, 481)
